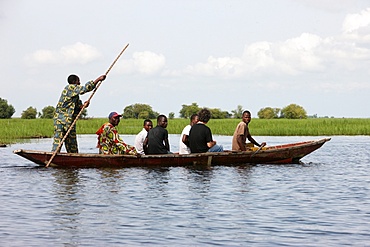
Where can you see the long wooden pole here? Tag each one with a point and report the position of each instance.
(258, 150)
(83, 107)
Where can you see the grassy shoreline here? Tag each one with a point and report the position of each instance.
(16, 128)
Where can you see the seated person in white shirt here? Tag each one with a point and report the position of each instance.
(184, 143)
(140, 137)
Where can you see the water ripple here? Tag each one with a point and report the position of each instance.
(325, 201)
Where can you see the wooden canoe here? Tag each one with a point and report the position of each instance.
(280, 154)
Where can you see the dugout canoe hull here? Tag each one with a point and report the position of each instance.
(280, 154)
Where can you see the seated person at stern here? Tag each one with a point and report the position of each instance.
(109, 142)
(157, 140)
(184, 137)
(139, 139)
(241, 134)
(200, 135)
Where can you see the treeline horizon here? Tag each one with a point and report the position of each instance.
(145, 111)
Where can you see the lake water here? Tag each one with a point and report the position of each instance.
(325, 201)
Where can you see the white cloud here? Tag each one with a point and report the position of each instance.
(356, 27)
(307, 53)
(289, 57)
(354, 22)
(78, 53)
(301, 53)
(146, 62)
(224, 67)
(258, 55)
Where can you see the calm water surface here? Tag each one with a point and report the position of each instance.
(325, 201)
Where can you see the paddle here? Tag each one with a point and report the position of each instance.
(263, 144)
(83, 107)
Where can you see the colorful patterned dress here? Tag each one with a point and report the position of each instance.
(109, 142)
(68, 107)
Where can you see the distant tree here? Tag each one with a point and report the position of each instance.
(6, 110)
(313, 116)
(218, 114)
(143, 115)
(268, 113)
(171, 115)
(293, 111)
(47, 112)
(139, 111)
(188, 110)
(30, 113)
(237, 113)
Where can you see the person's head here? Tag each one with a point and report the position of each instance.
(204, 115)
(162, 121)
(73, 79)
(194, 119)
(148, 124)
(246, 117)
(114, 118)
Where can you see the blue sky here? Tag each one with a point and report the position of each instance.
(219, 54)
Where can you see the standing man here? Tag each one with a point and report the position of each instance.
(140, 137)
(157, 140)
(200, 135)
(184, 137)
(241, 134)
(109, 142)
(67, 109)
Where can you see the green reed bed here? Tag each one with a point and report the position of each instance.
(266, 127)
(310, 127)
(13, 129)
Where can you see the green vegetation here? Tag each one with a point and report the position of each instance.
(15, 129)
(145, 111)
(292, 111)
(268, 113)
(6, 110)
(188, 110)
(47, 112)
(238, 112)
(30, 113)
(139, 111)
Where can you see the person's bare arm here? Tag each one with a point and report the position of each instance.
(145, 145)
(166, 144)
(211, 144)
(185, 140)
(250, 138)
(100, 78)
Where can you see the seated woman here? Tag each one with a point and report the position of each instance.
(109, 142)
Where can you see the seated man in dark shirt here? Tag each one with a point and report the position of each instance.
(200, 135)
(156, 141)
